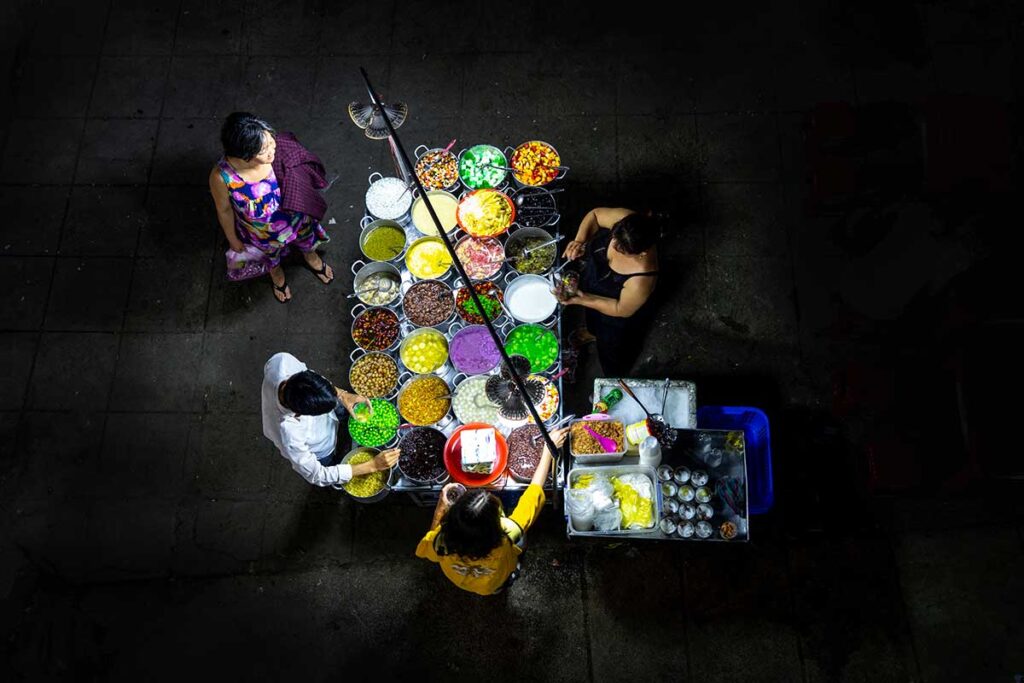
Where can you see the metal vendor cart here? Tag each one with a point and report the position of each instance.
(699, 488)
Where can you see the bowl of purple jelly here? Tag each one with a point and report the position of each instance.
(472, 350)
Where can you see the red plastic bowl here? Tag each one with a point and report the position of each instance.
(453, 457)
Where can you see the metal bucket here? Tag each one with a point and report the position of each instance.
(401, 218)
(442, 276)
(540, 212)
(360, 310)
(358, 353)
(409, 335)
(518, 237)
(503, 162)
(432, 195)
(413, 285)
(369, 224)
(364, 273)
(500, 264)
(380, 495)
(443, 477)
(515, 285)
(421, 152)
(443, 421)
(510, 151)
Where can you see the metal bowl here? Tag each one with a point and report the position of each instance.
(359, 310)
(369, 224)
(364, 273)
(389, 482)
(421, 378)
(443, 476)
(516, 240)
(510, 153)
(418, 283)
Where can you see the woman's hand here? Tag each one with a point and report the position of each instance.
(574, 250)
(385, 460)
(350, 400)
(574, 300)
(559, 436)
(236, 245)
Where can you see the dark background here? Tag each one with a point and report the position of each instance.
(839, 178)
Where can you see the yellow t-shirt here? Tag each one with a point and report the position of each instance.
(488, 574)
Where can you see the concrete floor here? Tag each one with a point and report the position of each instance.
(150, 532)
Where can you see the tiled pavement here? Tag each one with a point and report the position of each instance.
(145, 519)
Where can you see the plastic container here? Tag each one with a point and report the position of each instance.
(612, 471)
(598, 458)
(757, 436)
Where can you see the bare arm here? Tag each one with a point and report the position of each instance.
(540, 475)
(225, 214)
(595, 219)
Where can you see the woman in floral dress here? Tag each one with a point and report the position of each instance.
(248, 199)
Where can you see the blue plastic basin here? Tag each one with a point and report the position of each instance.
(754, 423)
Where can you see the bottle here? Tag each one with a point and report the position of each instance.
(608, 400)
(650, 452)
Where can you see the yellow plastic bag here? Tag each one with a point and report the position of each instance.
(637, 509)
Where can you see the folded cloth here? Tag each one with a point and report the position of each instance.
(301, 175)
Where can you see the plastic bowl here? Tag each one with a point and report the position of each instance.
(453, 457)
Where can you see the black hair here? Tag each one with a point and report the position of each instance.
(472, 526)
(636, 233)
(307, 393)
(242, 135)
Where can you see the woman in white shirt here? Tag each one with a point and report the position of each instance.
(300, 418)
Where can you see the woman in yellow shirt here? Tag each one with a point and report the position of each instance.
(477, 546)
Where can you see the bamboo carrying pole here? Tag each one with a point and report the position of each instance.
(472, 292)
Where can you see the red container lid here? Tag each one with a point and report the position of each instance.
(453, 457)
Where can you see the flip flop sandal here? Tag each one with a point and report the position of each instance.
(283, 289)
(322, 272)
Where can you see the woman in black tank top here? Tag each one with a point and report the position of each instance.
(619, 274)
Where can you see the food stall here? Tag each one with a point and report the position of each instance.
(637, 474)
(423, 355)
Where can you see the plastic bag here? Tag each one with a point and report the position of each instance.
(609, 519)
(635, 493)
(580, 505)
(246, 264)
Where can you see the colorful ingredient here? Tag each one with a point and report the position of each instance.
(422, 454)
(437, 169)
(422, 402)
(471, 403)
(485, 213)
(445, 205)
(474, 168)
(538, 344)
(480, 256)
(473, 351)
(365, 485)
(428, 303)
(533, 163)
(379, 289)
(490, 297)
(388, 198)
(534, 262)
(548, 404)
(375, 329)
(424, 351)
(373, 375)
(524, 451)
(379, 429)
(582, 443)
(727, 530)
(427, 258)
(384, 243)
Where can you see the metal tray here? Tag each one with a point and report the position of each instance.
(506, 274)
